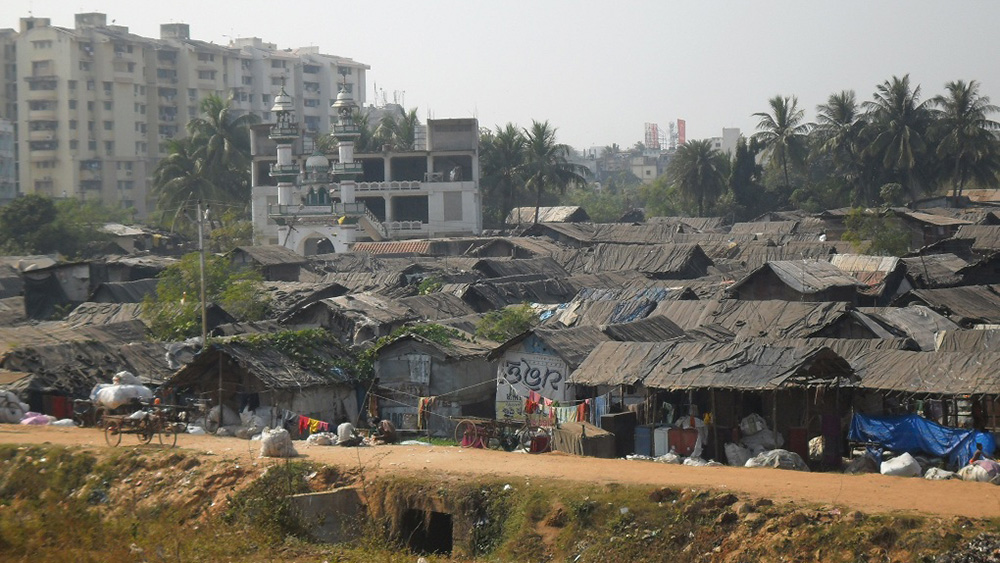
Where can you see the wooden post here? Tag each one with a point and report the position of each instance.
(715, 425)
(774, 416)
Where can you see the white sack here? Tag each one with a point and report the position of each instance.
(778, 459)
(322, 439)
(668, 457)
(752, 424)
(65, 422)
(901, 466)
(276, 443)
(229, 416)
(816, 447)
(13, 409)
(737, 455)
(763, 441)
(974, 473)
(195, 429)
(125, 378)
(114, 396)
(937, 474)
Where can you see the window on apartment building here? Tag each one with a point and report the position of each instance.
(345, 70)
(90, 126)
(107, 106)
(44, 44)
(248, 81)
(40, 68)
(206, 57)
(266, 116)
(192, 112)
(128, 203)
(71, 84)
(91, 85)
(107, 88)
(85, 66)
(73, 144)
(276, 81)
(140, 109)
(311, 103)
(72, 124)
(39, 105)
(92, 145)
(277, 64)
(108, 125)
(265, 98)
(206, 75)
(109, 147)
(192, 94)
(310, 69)
(311, 122)
(90, 106)
(140, 149)
(245, 64)
(42, 85)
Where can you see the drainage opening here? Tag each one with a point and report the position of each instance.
(427, 532)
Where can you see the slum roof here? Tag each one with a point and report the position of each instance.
(428, 247)
(659, 260)
(982, 195)
(272, 369)
(124, 292)
(437, 305)
(872, 271)
(929, 373)
(918, 322)
(932, 219)
(966, 305)
(534, 246)
(503, 268)
(584, 234)
(698, 224)
(460, 345)
(570, 344)
(970, 341)
(119, 230)
(934, 270)
(371, 306)
(976, 215)
(499, 293)
(90, 313)
(648, 329)
(749, 366)
(599, 306)
(771, 319)
(754, 254)
(289, 296)
(764, 228)
(803, 276)
(558, 214)
(272, 255)
(986, 238)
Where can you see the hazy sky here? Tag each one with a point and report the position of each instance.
(599, 70)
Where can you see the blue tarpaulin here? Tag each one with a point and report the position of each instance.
(917, 435)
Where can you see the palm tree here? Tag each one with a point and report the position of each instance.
(545, 165)
(899, 123)
(178, 178)
(698, 171)
(502, 160)
(782, 133)
(839, 133)
(221, 141)
(968, 134)
(400, 130)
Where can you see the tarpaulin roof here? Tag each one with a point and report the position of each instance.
(658, 260)
(502, 268)
(272, 255)
(804, 276)
(872, 271)
(934, 270)
(649, 329)
(765, 227)
(571, 344)
(750, 366)
(965, 305)
(558, 214)
(915, 321)
(917, 435)
(986, 238)
(970, 341)
(931, 373)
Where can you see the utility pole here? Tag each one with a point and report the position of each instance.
(201, 256)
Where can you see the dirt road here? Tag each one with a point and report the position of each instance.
(869, 493)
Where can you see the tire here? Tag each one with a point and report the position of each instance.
(168, 434)
(467, 434)
(525, 436)
(112, 433)
(99, 415)
(145, 431)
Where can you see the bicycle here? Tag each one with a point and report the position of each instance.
(144, 423)
(507, 434)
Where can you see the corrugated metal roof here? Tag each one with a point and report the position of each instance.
(985, 237)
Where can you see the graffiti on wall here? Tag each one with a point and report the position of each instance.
(521, 372)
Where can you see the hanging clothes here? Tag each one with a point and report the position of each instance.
(600, 408)
(581, 411)
(565, 414)
(303, 424)
(424, 405)
(313, 426)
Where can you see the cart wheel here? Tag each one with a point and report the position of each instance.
(467, 434)
(99, 416)
(112, 433)
(168, 434)
(145, 431)
(526, 436)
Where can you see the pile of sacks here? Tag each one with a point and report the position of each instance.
(13, 409)
(758, 439)
(124, 389)
(906, 465)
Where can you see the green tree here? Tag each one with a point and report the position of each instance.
(174, 313)
(659, 198)
(501, 326)
(745, 180)
(899, 123)
(699, 172)
(233, 230)
(35, 224)
(399, 131)
(782, 134)
(502, 160)
(545, 164)
(969, 135)
(876, 232)
(839, 135)
(179, 179)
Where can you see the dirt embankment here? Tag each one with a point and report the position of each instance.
(867, 493)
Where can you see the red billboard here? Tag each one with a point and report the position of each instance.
(681, 135)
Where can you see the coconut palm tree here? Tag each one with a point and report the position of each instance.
(698, 171)
(221, 145)
(782, 133)
(839, 133)
(968, 135)
(399, 130)
(545, 164)
(898, 125)
(502, 159)
(178, 179)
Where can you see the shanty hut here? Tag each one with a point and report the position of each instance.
(926, 228)
(124, 292)
(966, 305)
(661, 261)
(422, 381)
(797, 280)
(257, 374)
(540, 360)
(354, 318)
(917, 322)
(559, 214)
(275, 262)
(515, 247)
(730, 380)
(985, 238)
(929, 271)
(428, 247)
(883, 276)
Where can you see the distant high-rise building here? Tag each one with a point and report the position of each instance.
(8, 161)
(95, 105)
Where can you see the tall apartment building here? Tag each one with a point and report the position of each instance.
(96, 104)
(8, 161)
